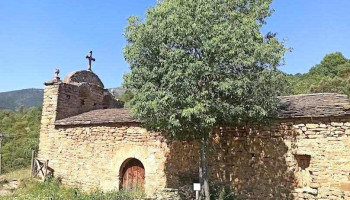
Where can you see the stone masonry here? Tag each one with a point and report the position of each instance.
(304, 154)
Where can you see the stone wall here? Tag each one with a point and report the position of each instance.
(76, 99)
(292, 159)
(81, 91)
(62, 100)
(91, 157)
(296, 158)
(48, 118)
(304, 159)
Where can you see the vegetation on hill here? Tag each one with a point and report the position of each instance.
(22, 130)
(117, 92)
(27, 98)
(331, 75)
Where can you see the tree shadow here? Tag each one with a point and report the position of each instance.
(254, 164)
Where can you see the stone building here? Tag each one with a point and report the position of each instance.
(92, 142)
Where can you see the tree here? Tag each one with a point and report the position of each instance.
(22, 129)
(328, 66)
(126, 97)
(199, 64)
(331, 75)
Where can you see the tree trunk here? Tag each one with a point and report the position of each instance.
(203, 168)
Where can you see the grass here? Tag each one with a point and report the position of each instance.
(19, 174)
(51, 189)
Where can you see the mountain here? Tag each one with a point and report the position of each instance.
(33, 98)
(118, 91)
(15, 99)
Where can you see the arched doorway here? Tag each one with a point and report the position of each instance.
(132, 175)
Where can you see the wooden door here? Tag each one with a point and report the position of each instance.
(133, 176)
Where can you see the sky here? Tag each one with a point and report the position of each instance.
(36, 37)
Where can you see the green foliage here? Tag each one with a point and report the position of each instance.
(222, 192)
(22, 129)
(329, 64)
(126, 97)
(331, 75)
(52, 189)
(197, 64)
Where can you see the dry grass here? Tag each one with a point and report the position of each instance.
(19, 174)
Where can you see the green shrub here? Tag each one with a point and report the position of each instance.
(220, 192)
(22, 130)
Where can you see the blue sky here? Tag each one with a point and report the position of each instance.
(38, 36)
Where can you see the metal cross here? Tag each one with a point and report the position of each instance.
(57, 71)
(90, 58)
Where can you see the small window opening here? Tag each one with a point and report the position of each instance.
(82, 102)
(106, 101)
(303, 161)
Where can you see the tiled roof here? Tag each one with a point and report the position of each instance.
(314, 105)
(101, 116)
(296, 106)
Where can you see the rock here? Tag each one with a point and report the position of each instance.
(3, 179)
(169, 194)
(347, 132)
(307, 190)
(311, 126)
(5, 192)
(345, 186)
(12, 185)
(337, 124)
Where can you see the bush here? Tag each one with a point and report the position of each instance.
(219, 192)
(22, 130)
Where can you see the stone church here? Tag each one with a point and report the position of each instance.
(91, 142)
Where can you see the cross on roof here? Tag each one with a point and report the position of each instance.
(90, 58)
(57, 71)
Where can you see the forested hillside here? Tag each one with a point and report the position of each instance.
(15, 99)
(28, 98)
(118, 91)
(331, 75)
(22, 131)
